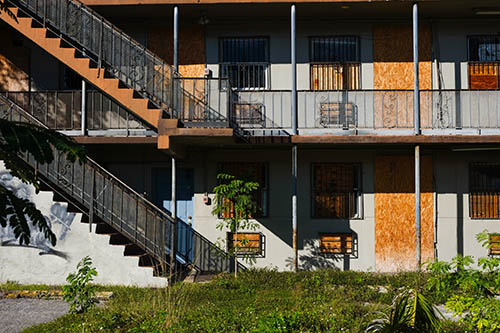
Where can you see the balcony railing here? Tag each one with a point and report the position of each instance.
(369, 111)
(62, 110)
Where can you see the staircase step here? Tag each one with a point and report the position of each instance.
(133, 250)
(119, 239)
(58, 197)
(104, 229)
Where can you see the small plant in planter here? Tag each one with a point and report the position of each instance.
(79, 293)
(235, 205)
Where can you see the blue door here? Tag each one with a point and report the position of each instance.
(162, 185)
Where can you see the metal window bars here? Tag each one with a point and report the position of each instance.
(92, 188)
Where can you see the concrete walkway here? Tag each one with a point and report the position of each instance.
(20, 313)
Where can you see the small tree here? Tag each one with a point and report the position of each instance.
(235, 204)
(79, 293)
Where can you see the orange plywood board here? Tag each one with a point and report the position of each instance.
(393, 57)
(191, 48)
(395, 231)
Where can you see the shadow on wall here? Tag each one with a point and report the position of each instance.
(59, 219)
(315, 259)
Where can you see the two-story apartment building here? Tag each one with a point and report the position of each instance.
(316, 99)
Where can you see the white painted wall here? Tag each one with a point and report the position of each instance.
(42, 263)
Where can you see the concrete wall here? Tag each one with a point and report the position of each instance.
(40, 262)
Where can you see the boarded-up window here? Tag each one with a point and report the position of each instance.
(253, 171)
(336, 190)
(335, 63)
(494, 245)
(484, 191)
(484, 61)
(336, 243)
(245, 62)
(246, 243)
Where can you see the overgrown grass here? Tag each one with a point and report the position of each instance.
(258, 301)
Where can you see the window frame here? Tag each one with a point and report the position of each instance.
(265, 189)
(471, 193)
(341, 63)
(262, 244)
(358, 170)
(492, 65)
(354, 244)
(267, 63)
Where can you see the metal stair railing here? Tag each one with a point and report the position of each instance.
(99, 192)
(108, 46)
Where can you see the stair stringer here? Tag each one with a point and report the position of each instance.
(96, 76)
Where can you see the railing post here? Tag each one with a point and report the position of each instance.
(84, 108)
(100, 48)
(92, 195)
(44, 12)
(176, 38)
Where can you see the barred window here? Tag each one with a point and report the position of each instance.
(336, 191)
(494, 245)
(335, 63)
(484, 191)
(484, 62)
(248, 243)
(255, 171)
(245, 61)
(338, 243)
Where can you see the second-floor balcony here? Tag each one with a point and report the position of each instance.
(344, 112)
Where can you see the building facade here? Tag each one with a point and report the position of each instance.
(325, 88)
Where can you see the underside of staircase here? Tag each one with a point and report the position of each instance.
(84, 66)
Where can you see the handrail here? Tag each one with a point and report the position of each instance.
(208, 257)
(108, 46)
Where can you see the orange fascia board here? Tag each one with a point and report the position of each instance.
(201, 2)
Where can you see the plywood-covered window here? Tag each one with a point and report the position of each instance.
(484, 62)
(245, 61)
(254, 171)
(494, 245)
(484, 191)
(336, 190)
(335, 63)
(246, 243)
(336, 243)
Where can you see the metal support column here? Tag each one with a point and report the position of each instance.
(173, 211)
(416, 108)
(176, 38)
(416, 95)
(173, 206)
(294, 132)
(84, 108)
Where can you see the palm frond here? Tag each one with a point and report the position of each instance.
(5, 9)
(15, 212)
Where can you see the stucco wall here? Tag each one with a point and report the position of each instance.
(40, 262)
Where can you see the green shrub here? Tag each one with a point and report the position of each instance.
(79, 293)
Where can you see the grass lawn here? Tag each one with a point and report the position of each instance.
(258, 301)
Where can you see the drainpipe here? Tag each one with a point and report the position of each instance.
(416, 108)
(84, 108)
(294, 132)
(173, 205)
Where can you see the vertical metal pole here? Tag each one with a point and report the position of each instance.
(294, 132)
(416, 94)
(417, 205)
(294, 71)
(176, 38)
(416, 108)
(173, 211)
(84, 108)
(294, 208)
